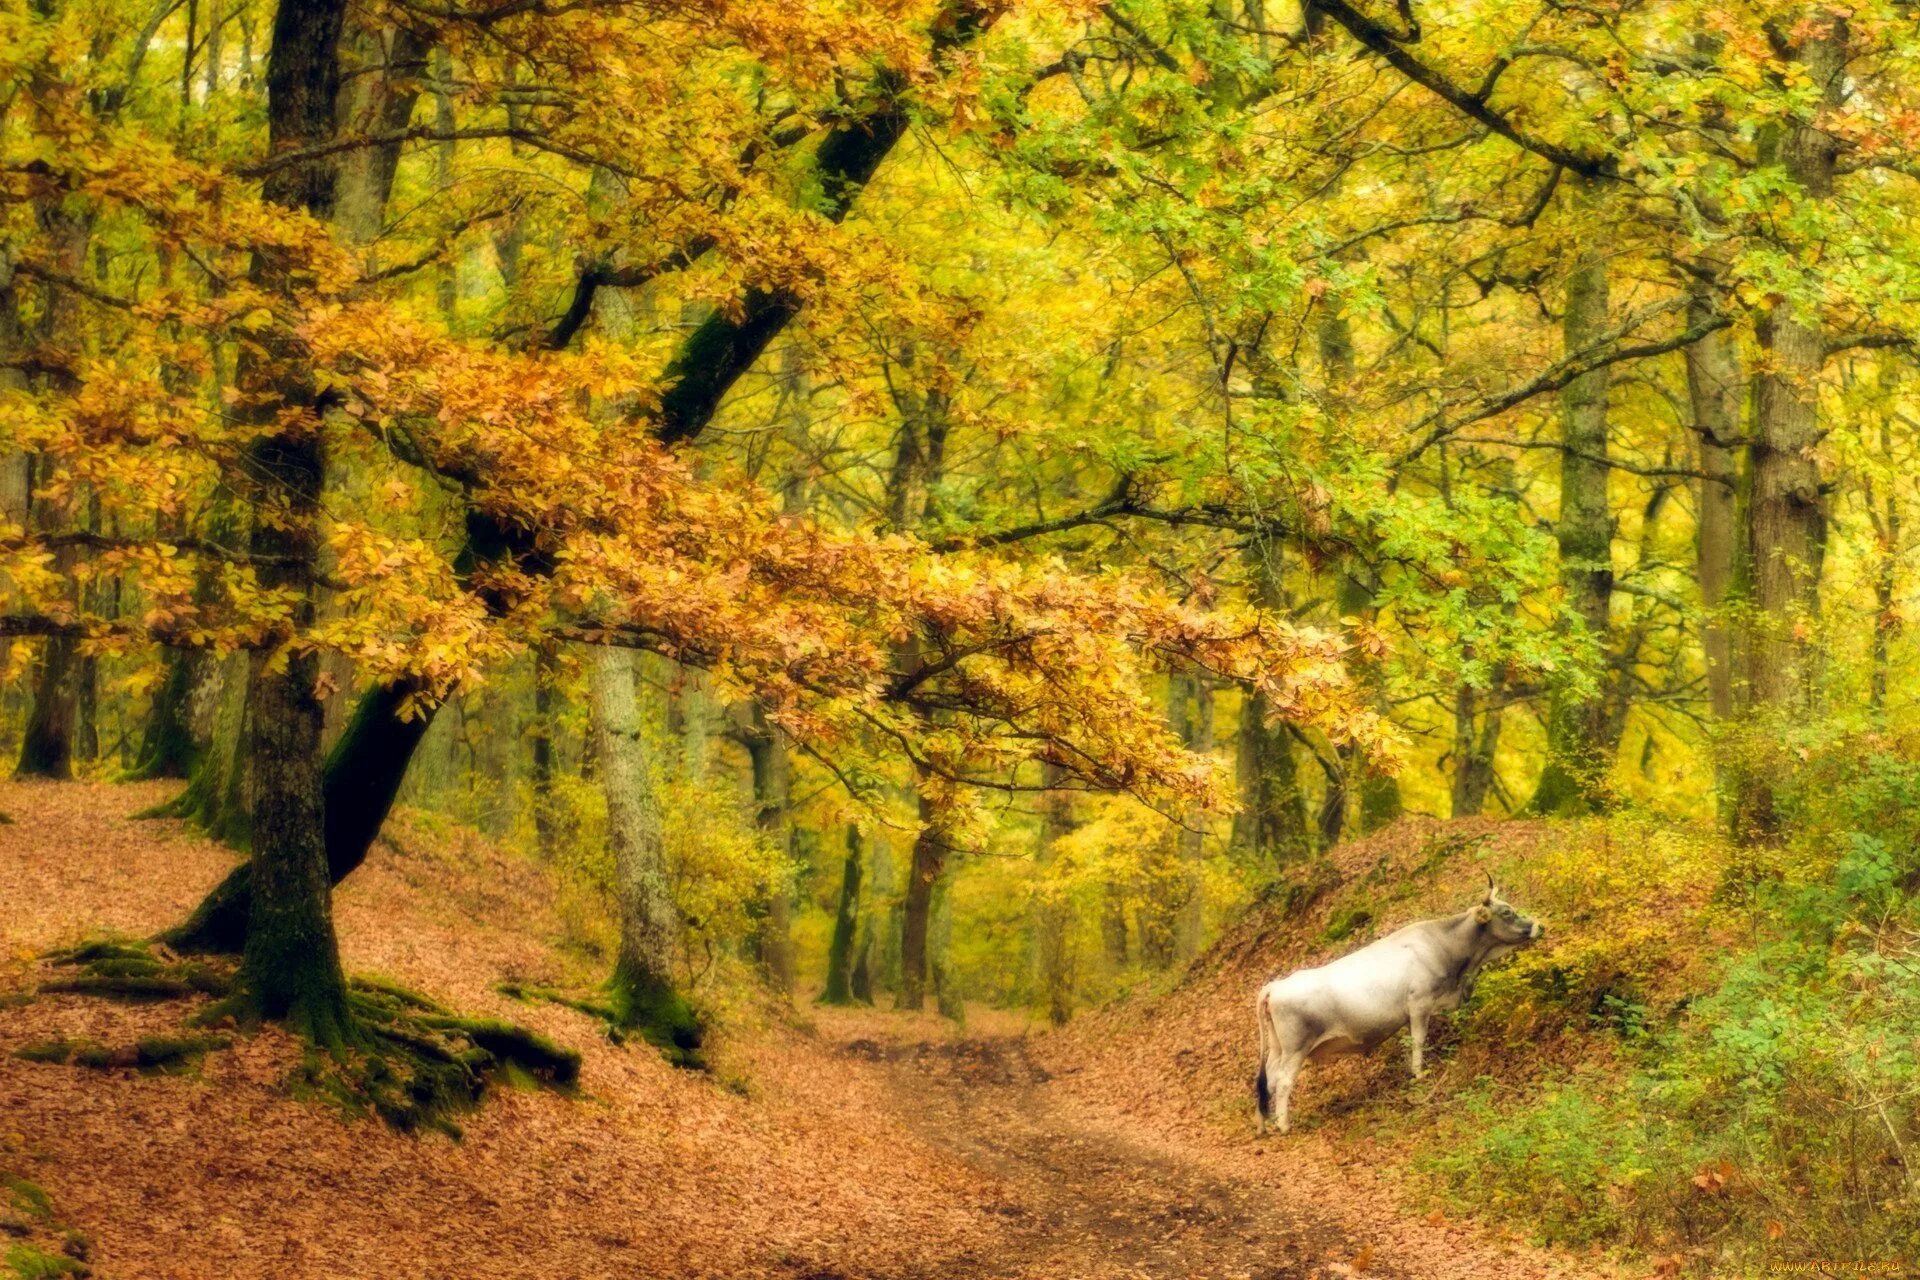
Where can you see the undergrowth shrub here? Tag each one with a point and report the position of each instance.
(1739, 1106)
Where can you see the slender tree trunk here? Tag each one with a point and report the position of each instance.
(379, 101)
(545, 675)
(642, 985)
(1714, 386)
(1053, 924)
(929, 861)
(772, 781)
(1787, 511)
(1196, 732)
(1274, 808)
(1579, 753)
(846, 921)
(1476, 744)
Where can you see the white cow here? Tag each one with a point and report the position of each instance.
(1353, 1004)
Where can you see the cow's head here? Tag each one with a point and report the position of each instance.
(1508, 926)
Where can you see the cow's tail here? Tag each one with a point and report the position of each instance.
(1262, 1091)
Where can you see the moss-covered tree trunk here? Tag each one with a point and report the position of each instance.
(168, 748)
(1579, 748)
(1787, 508)
(46, 744)
(1375, 795)
(645, 995)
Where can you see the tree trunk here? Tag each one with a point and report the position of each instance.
(929, 861)
(1274, 808)
(1053, 924)
(772, 777)
(290, 967)
(545, 676)
(1476, 743)
(46, 746)
(642, 985)
(846, 920)
(1579, 753)
(1195, 728)
(379, 100)
(1713, 388)
(1787, 510)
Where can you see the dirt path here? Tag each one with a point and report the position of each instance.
(1084, 1203)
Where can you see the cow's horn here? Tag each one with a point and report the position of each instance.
(1492, 890)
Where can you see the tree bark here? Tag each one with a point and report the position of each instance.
(1579, 753)
(1787, 510)
(929, 861)
(772, 783)
(1274, 808)
(1714, 386)
(290, 967)
(645, 995)
(846, 921)
(1053, 924)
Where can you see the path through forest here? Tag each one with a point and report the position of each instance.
(1082, 1202)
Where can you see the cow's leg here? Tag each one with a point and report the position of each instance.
(1286, 1066)
(1417, 1034)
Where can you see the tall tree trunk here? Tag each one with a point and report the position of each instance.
(1714, 386)
(929, 861)
(1053, 924)
(545, 675)
(772, 783)
(1378, 793)
(846, 922)
(1476, 744)
(1886, 536)
(1195, 727)
(645, 996)
(379, 101)
(1274, 808)
(1113, 926)
(1579, 754)
(1787, 510)
(290, 967)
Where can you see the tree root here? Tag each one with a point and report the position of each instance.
(398, 1054)
(550, 995)
(124, 969)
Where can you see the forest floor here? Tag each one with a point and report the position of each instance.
(831, 1145)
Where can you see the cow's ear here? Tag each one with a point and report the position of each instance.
(1483, 913)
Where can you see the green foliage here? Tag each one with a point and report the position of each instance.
(1766, 1117)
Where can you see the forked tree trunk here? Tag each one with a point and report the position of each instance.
(645, 995)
